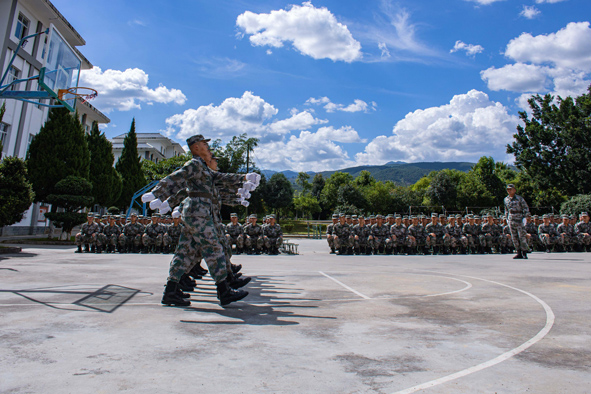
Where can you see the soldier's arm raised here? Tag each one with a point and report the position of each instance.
(175, 182)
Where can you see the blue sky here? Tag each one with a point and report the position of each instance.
(330, 84)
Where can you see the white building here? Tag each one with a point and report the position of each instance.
(150, 146)
(19, 18)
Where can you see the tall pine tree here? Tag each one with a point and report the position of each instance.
(106, 182)
(59, 150)
(130, 167)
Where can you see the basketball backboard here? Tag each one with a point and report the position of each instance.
(61, 68)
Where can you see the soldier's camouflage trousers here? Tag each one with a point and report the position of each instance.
(380, 242)
(343, 243)
(450, 242)
(109, 239)
(254, 242)
(135, 240)
(277, 242)
(330, 241)
(82, 239)
(584, 239)
(471, 241)
(360, 243)
(550, 240)
(238, 240)
(434, 241)
(489, 240)
(568, 240)
(518, 234)
(199, 236)
(398, 241)
(167, 240)
(152, 241)
(414, 242)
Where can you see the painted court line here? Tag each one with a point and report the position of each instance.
(499, 359)
(345, 286)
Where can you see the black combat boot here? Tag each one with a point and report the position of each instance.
(332, 251)
(186, 278)
(524, 254)
(519, 255)
(194, 273)
(171, 296)
(237, 283)
(186, 284)
(236, 268)
(227, 295)
(79, 250)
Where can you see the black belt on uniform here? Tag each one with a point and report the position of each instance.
(200, 195)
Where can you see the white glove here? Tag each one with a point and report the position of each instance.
(164, 208)
(148, 197)
(241, 191)
(524, 221)
(246, 195)
(253, 177)
(245, 203)
(155, 204)
(176, 214)
(249, 186)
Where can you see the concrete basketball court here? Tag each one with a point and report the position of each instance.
(313, 323)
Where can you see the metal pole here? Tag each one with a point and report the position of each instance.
(247, 168)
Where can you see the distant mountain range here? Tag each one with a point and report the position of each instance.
(398, 172)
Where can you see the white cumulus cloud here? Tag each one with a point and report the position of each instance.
(517, 77)
(549, 1)
(467, 128)
(471, 50)
(357, 105)
(529, 12)
(125, 90)
(484, 2)
(314, 32)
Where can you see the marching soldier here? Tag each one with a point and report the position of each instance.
(516, 209)
(273, 236)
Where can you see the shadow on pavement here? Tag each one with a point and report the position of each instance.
(262, 306)
(106, 299)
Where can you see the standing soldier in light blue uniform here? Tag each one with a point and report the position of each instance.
(516, 209)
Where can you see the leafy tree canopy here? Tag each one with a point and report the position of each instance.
(16, 192)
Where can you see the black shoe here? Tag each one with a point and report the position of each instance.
(227, 295)
(237, 283)
(519, 255)
(236, 268)
(199, 270)
(524, 254)
(181, 294)
(79, 250)
(171, 295)
(187, 279)
(332, 251)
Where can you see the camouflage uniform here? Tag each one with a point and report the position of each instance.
(235, 235)
(112, 234)
(581, 229)
(153, 234)
(437, 229)
(399, 231)
(88, 234)
(381, 238)
(273, 236)
(253, 237)
(198, 213)
(471, 232)
(453, 236)
(329, 234)
(101, 238)
(490, 235)
(344, 238)
(516, 209)
(362, 233)
(532, 230)
(548, 235)
(172, 236)
(131, 235)
(418, 232)
(569, 236)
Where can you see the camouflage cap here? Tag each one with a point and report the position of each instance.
(90, 215)
(272, 216)
(348, 217)
(354, 216)
(546, 216)
(413, 217)
(253, 216)
(564, 217)
(134, 214)
(233, 215)
(379, 216)
(584, 214)
(196, 138)
(361, 217)
(398, 216)
(341, 215)
(434, 215)
(458, 216)
(405, 217)
(389, 216)
(510, 186)
(372, 217)
(442, 216)
(335, 215)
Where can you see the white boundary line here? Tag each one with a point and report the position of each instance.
(345, 286)
(503, 357)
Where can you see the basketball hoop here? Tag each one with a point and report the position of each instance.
(84, 94)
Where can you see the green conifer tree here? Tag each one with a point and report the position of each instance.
(106, 182)
(130, 167)
(59, 150)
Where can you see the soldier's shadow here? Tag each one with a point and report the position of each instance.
(268, 303)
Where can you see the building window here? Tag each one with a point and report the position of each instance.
(13, 74)
(29, 142)
(22, 26)
(4, 134)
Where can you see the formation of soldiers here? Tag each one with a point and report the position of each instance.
(252, 238)
(161, 233)
(455, 234)
(115, 233)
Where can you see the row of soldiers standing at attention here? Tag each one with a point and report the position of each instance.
(455, 234)
(252, 238)
(115, 233)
